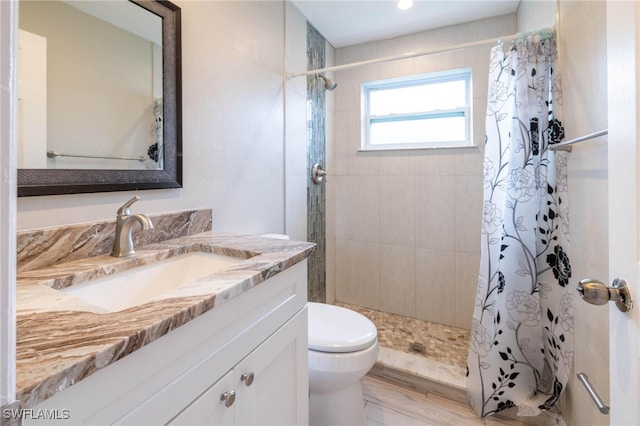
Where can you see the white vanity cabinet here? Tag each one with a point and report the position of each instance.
(210, 409)
(253, 346)
(261, 389)
(271, 398)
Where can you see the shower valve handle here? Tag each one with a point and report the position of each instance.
(597, 293)
(318, 174)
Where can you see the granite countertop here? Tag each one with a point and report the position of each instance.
(61, 339)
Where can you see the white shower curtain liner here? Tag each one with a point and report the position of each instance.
(521, 346)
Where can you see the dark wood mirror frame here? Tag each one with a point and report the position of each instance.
(67, 181)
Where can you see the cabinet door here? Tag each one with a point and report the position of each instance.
(271, 383)
(210, 408)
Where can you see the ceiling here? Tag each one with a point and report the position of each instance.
(348, 22)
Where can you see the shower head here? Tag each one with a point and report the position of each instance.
(329, 84)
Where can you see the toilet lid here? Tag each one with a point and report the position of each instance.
(336, 329)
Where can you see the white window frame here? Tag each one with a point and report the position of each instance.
(464, 74)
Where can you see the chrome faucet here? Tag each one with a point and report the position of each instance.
(123, 243)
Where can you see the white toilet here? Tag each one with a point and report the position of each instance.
(343, 346)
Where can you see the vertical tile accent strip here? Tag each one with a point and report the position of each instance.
(316, 138)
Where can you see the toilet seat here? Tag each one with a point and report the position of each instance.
(335, 329)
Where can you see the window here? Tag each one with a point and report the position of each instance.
(424, 111)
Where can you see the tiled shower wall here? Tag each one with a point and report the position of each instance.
(316, 193)
(407, 223)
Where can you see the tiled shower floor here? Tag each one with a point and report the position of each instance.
(418, 353)
(437, 342)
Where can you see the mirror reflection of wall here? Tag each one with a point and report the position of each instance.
(102, 87)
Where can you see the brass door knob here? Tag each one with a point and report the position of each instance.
(597, 293)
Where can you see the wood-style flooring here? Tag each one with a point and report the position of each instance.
(387, 404)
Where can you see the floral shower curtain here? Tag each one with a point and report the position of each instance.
(521, 345)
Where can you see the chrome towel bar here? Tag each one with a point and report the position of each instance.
(566, 145)
(604, 408)
(53, 154)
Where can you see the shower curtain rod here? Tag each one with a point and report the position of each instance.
(566, 145)
(407, 55)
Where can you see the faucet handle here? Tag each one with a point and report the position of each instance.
(124, 209)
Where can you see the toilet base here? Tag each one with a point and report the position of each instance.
(343, 407)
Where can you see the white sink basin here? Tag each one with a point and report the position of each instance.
(139, 285)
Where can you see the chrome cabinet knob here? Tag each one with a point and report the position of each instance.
(229, 397)
(597, 293)
(247, 378)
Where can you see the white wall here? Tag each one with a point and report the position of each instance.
(583, 46)
(535, 15)
(408, 222)
(8, 136)
(232, 78)
(296, 125)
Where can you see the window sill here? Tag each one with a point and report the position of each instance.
(413, 148)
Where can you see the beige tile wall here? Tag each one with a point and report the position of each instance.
(407, 223)
(583, 47)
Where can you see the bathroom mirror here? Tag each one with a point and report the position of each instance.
(99, 96)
